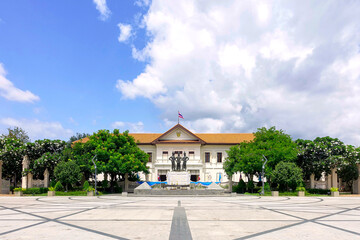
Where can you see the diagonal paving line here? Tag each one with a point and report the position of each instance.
(180, 229)
(45, 220)
(303, 220)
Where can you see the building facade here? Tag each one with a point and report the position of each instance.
(206, 152)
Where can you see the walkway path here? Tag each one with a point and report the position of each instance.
(241, 217)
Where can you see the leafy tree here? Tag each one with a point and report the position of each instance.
(320, 155)
(17, 133)
(44, 154)
(247, 157)
(349, 173)
(117, 154)
(67, 172)
(11, 152)
(287, 175)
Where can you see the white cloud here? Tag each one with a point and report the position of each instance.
(39, 129)
(234, 66)
(132, 127)
(125, 32)
(10, 92)
(103, 9)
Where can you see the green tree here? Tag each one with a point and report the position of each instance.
(43, 154)
(287, 175)
(11, 152)
(68, 173)
(320, 155)
(116, 154)
(17, 133)
(247, 157)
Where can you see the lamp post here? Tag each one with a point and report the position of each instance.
(96, 192)
(263, 174)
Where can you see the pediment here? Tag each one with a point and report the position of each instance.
(178, 134)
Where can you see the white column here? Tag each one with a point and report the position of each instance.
(46, 178)
(30, 180)
(328, 181)
(334, 182)
(25, 165)
(312, 181)
(356, 184)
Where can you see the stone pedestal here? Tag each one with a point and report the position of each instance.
(18, 193)
(51, 193)
(90, 194)
(275, 193)
(46, 178)
(301, 194)
(312, 181)
(178, 178)
(335, 194)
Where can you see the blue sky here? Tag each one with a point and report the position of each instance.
(70, 59)
(228, 66)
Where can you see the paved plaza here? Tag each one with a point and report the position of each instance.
(241, 217)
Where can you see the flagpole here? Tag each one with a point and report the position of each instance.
(178, 117)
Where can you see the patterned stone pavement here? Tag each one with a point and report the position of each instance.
(241, 217)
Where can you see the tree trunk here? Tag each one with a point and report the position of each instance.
(230, 183)
(112, 177)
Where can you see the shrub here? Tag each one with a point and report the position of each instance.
(334, 189)
(19, 189)
(68, 173)
(300, 189)
(86, 186)
(51, 188)
(318, 191)
(250, 186)
(59, 186)
(241, 187)
(287, 175)
(35, 190)
(117, 189)
(105, 183)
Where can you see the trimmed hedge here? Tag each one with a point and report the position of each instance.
(35, 190)
(318, 191)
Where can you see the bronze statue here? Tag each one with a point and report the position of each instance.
(178, 162)
(172, 159)
(185, 159)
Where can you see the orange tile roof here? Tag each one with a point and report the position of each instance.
(209, 138)
(223, 138)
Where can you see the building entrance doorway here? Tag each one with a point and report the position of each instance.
(194, 175)
(162, 175)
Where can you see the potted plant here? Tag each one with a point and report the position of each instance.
(301, 191)
(51, 192)
(19, 191)
(275, 191)
(334, 192)
(90, 191)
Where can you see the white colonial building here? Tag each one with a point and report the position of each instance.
(206, 152)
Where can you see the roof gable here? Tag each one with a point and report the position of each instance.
(178, 134)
